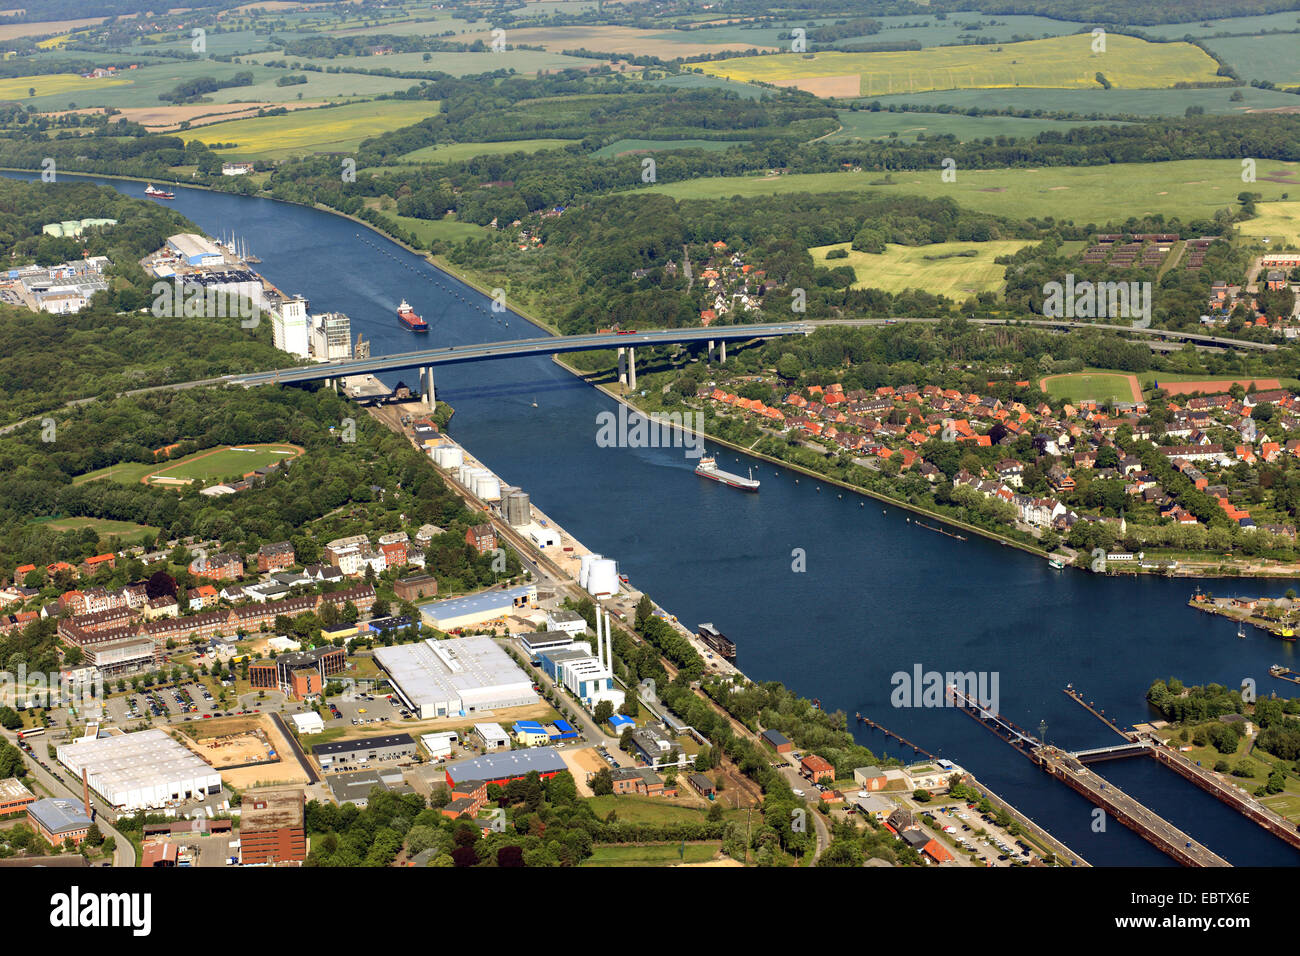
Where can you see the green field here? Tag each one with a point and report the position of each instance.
(658, 145)
(455, 64)
(447, 230)
(1278, 222)
(127, 531)
(657, 854)
(1099, 103)
(1099, 386)
(633, 809)
(237, 460)
(457, 152)
(1057, 62)
(1187, 189)
(126, 473)
(923, 267)
(882, 124)
(1267, 57)
(336, 130)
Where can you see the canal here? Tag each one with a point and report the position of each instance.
(878, 594)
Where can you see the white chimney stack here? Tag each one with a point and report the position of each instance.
(599, 646)
(609, 646)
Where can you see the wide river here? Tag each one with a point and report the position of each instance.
(879, 594)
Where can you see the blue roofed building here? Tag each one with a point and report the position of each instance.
(529, 733)
(562, 730)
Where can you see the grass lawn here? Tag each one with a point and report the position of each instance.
(126, 473)
(1099, 386)
(934, 268)
(128, 531)
(1188, 189)
(1057, 62)
(448, 229)
(336, 130)
(1279, 222)
(659, 145)
(657, 854)
(224, 462)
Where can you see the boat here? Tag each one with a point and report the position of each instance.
(1241, 631)
(1056, 564)
(715, 639)
(156, 193)
(708, 468)
(408, 318)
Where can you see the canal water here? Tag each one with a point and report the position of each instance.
(878, 594)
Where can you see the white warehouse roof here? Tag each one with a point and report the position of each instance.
(458, 676)
(144, 770)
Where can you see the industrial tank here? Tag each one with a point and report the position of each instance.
(602, 577)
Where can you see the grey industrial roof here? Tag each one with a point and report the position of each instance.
(59, 816)
(511, 763)
(366, 743)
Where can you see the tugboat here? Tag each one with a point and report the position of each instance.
(156, 193)
(406, 315)
(708, 468)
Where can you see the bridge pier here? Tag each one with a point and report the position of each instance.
(622, 366)
(427, 394)
(722, 351)
(710, 358)
(631, 369)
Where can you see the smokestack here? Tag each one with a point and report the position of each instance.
(85, 793)
(609, 646)
(598, 644)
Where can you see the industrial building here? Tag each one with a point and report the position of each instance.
(290, 328)
(125, 656)
(456, 677)
(501, 768)
(147, 770)
(562, 619)
(492, 736)
(350, 754)
(271, 827)
(299, 675)
(331, 336)
(439, 744)
(354, 788)
(195, 250)
(588, 677)
(72, 228)
(59, 820)
(476, 609)
(529, 733)
(14, 796)
(309, 722)
(538, 641)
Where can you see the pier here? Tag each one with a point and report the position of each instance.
(889, 733)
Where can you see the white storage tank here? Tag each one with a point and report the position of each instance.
(450, 457)
(602, 577)
(584, 568)
(487, 488)
(465, 474)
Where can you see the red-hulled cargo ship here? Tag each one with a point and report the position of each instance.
(409, 319)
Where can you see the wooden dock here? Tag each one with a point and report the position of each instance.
(862, 719)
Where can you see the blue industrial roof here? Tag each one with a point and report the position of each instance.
(563, 726)
(59, 816)
(508, 763)
(472, 603)
(618, 720)
(528, 727)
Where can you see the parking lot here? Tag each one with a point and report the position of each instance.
(996, 847)
(363, 708)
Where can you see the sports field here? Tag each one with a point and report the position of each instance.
(1182, 385)
(217, 463)
(1098, 386)
(1188, 189)
(336, 130)
(1279, 222)
(1056, 62)
(938, 268)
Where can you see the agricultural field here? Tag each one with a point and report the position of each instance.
(333, 130)
(659, 145)
(1279, 222)
(940, 269)
(53, 84)
(1268, 57)
(457, 152)
(456, 64)
(1186, 189)
(1057, 62)
(1098, 386)
(702, 81)
(13, 31)
(1099, 103)
(218, 463)
(127, 531)
(444, 230)
(881, 124)
(1234, 26)
(624, 40)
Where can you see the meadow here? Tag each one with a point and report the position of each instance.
(126, 531)
(658, 145)
(900, 268)
(1056, 62)
(335, 130)
(1268, 57)
(53, 84)
(1277, 221)
(881, 124)
(455, 64)
(458, 152)
(1187, 189)
(655, 854)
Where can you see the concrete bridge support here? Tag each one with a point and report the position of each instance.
(631, 369)
(722, 351)
(709, 359)
(427, 394)
(622, 366)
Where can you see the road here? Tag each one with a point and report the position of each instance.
(125, 853)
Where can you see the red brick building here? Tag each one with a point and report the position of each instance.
(14, 797)
(218, 567)
(483, 537)
(817, 768)
(275, 557)
(272, 827)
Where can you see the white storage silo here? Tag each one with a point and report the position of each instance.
(602, 578)
(487, 487)
(450, 457)
(584, 568)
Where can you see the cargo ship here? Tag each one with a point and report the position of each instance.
(714, 638)
(708, 468)
(156, 193)
(409, 319)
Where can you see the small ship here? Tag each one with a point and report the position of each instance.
(708, 468)
(714, 638)
(156, 193)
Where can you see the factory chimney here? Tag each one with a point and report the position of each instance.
(85, 793)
